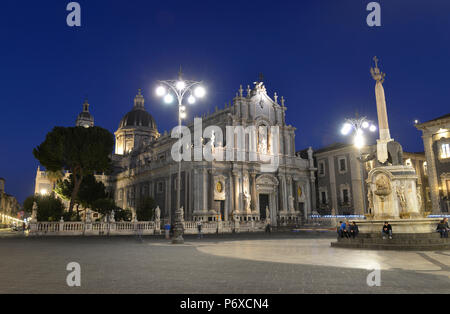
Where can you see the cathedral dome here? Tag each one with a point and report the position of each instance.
(138, 117)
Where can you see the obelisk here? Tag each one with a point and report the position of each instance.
(383, 125)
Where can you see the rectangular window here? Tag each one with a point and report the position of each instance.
(160, 187)
(345, 196)
(321, 168)
(324, 197)
(445, 150)
(342, 165)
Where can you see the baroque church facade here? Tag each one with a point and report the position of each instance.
(218, 189)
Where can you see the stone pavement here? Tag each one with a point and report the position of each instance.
(244, 263)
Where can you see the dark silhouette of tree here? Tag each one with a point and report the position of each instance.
(81, 151)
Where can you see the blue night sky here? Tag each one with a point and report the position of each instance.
(317, 54)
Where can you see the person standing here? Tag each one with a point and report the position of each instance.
(167, 230)
(199, 227)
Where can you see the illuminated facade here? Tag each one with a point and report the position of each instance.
(436, 140)
(9, 205)
(143, 166)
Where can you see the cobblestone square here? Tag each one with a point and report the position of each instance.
(242, 264)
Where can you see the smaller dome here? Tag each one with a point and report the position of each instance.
(85, 119)
(84, 115)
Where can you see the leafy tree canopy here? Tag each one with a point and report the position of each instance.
(90, 190)
(81, 151)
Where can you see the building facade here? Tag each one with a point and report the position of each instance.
(9, 205)
(236, 186)
(217, 189)
(340, 174)
(436, 140)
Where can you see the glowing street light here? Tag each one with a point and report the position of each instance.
(180, 88)
(359, 125)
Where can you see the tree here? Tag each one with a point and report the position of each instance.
(55, 176)
(28, 203)
(123, 214)
(104, 206)
(145, 210)
(90, 190)
(81, 151)
(49, 208)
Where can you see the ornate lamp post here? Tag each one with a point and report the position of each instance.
(359, 125)
(169, 90)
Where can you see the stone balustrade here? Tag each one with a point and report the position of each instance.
(63, 228)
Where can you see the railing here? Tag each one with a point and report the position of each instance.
(139, 228)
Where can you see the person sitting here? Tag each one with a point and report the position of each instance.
(443, 228)
(343, 230)
(338, 228)
(387, 230)
(354, 230)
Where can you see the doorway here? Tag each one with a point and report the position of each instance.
(263, 203)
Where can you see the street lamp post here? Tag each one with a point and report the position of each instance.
(359, 125)
(180, 88)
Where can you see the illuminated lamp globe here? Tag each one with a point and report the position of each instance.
(372, 128)
(180, 85)
(365, 124)
(346, 128)
(160, 91)
(200, 92)
(168, 99)
(191, 99)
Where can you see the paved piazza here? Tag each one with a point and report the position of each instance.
(279, 263)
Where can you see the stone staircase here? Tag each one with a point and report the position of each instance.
(400, 242)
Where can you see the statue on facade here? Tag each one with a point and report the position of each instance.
(262, 141)
(291, 203)
(401, 197)
(419, 198)
(370, 199)
(181, 213)
(112, 219)
(247, 201)
(88, 215)
(157, 213)
(267, 213)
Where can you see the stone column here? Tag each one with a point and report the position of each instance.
(187, 208)
(236, 191)
(254, 198)
(169, 196)
(432, 176)
(333, 189)
(289, 193)
(205, 191)
(228, 198)
(284, 204)
(211, 189)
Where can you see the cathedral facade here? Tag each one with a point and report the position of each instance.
(227, 189)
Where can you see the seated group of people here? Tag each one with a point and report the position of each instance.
(443, 228)
(347, 230)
